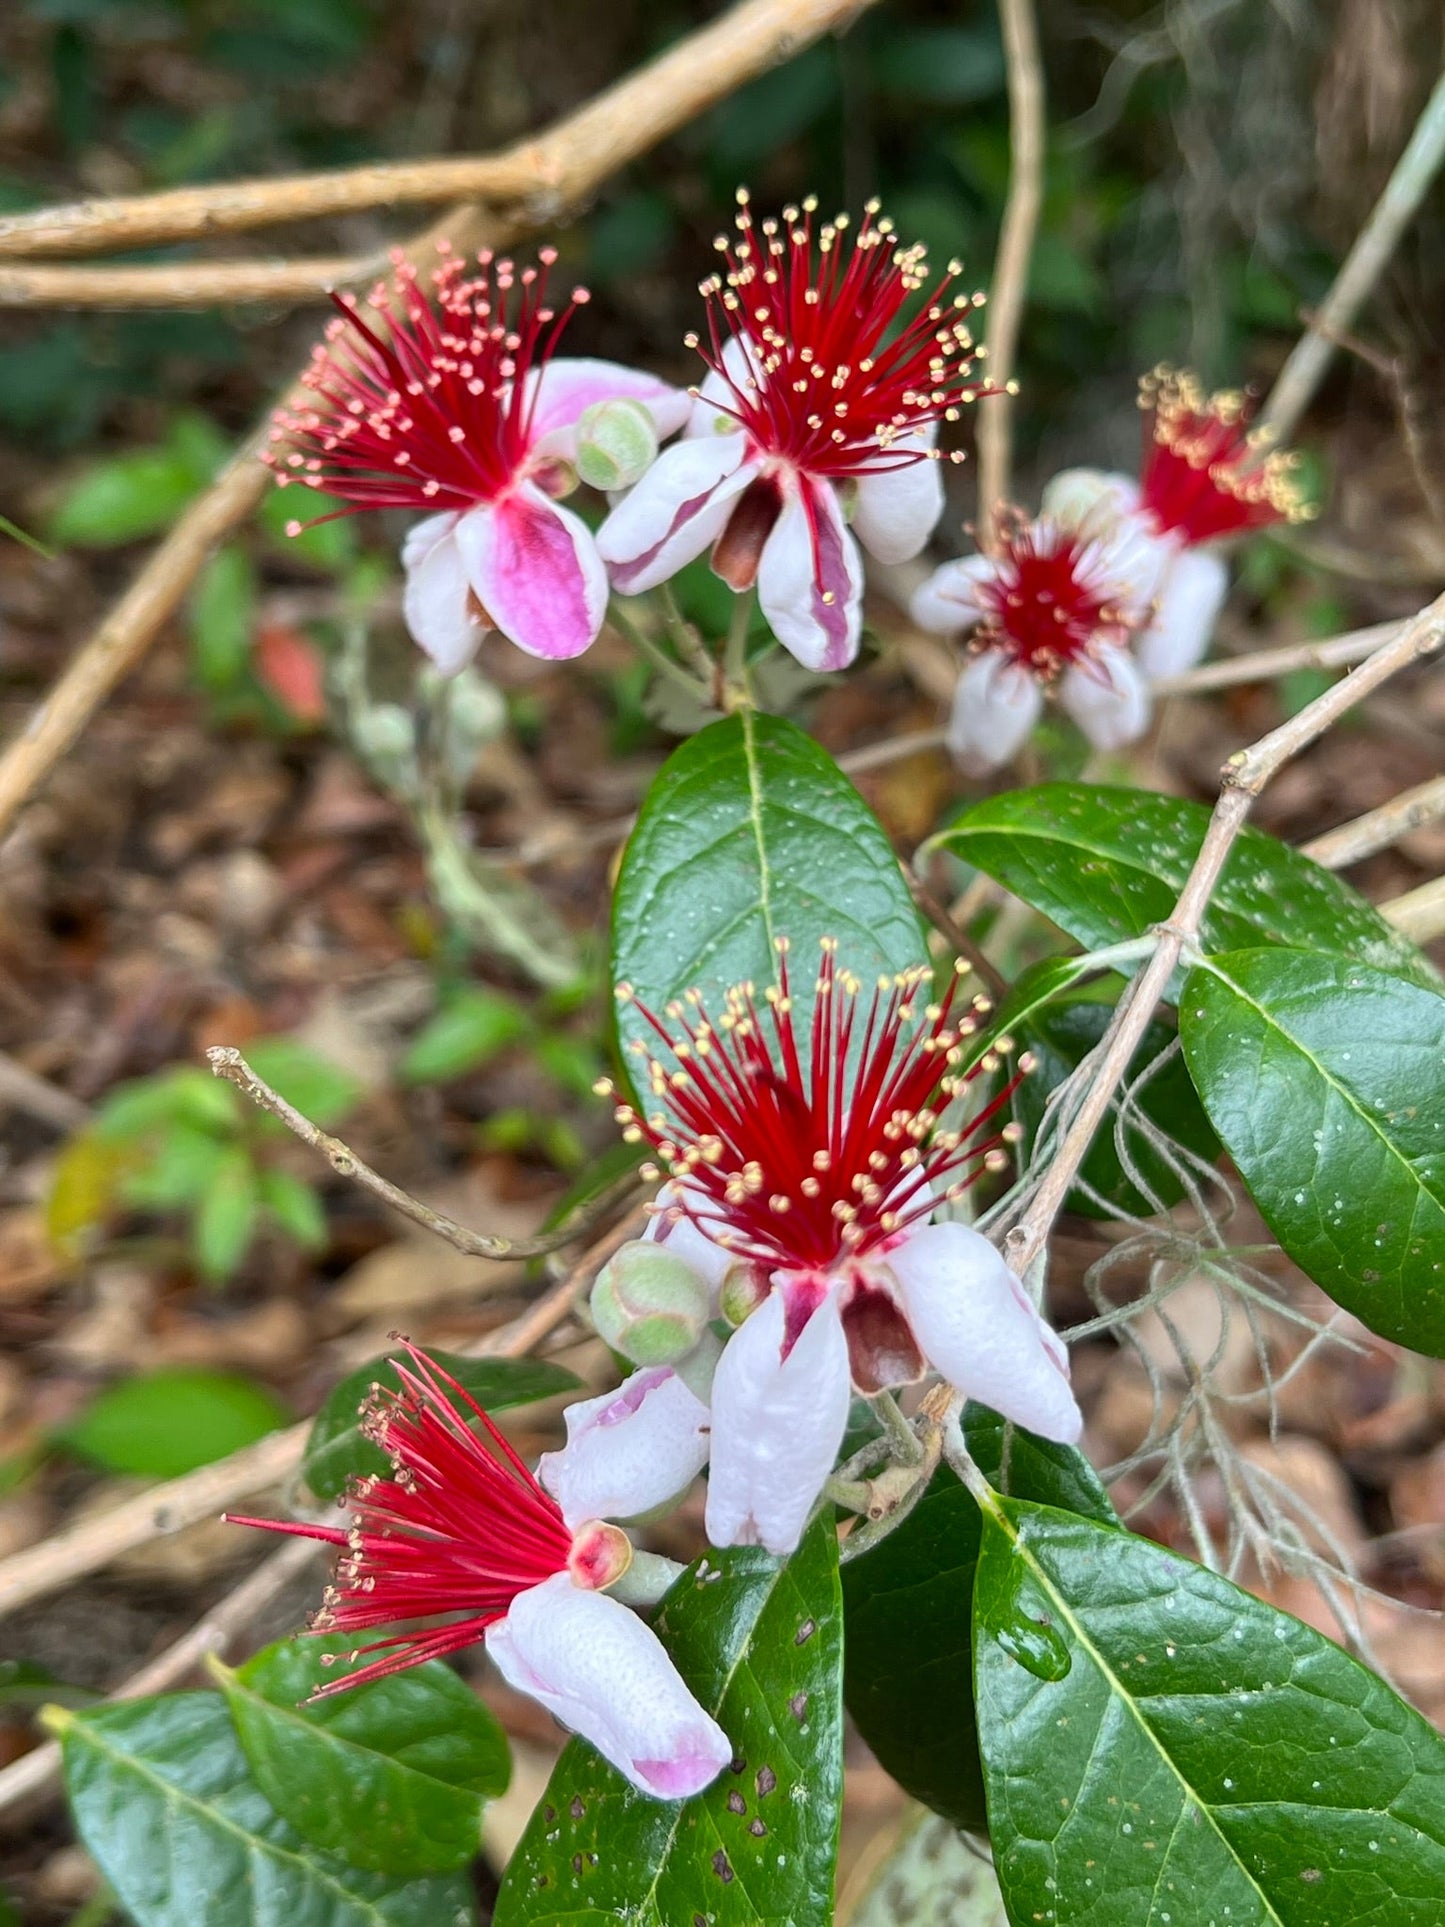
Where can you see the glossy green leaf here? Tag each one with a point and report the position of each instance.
(391, 1777)
(167, 1422)
(751, 833)
(466, 1033)
(1107, 864)
(908, 1606)
(759, 1641)
(1326, 1082)
(1156, 1741)
(164, 1800)
(319, 1090)
(225, 1218)
(336, 1452)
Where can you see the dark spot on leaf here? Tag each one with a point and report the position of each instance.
(549, 1813)
(576, 1863)
(699, 1920)
(1311, 1873)
(722, 1867)
(766, 1781)
(736, 1802)
(737, 1763)
(798, 1705)
(757, 1829)
(544, 1880)
(577, 1809)
(805, 1632)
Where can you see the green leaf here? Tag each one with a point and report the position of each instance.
(167, 1422)
(950, 66)
(1157, 1741)
(1060, 1038)
(226, 1217)
(178, 1169)
(391, 1777)
(182, 1095)
(759, 1641)
(163, 1799)
(318, 1089)
(122, 500)
(466, 1033)
(908, 1606)
(297, 1208)
(337, 1453)
(750, 833)
(1326, 1082)
(329, 545)
(1107, 864)
(223, 619)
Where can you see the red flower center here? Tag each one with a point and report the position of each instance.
(827, 375)
(800, 1155)
(432, 407)
(1206, 474)
(1050, 597)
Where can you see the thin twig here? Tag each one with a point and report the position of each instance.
(1419, 914)
(962, 944)
(228, 1063)
(1243, 777)
(184, 284)
(94, 1542)
(1361, 269)
(564, 167)
(1264, 665)
(1027, 136)
(1378, 829)
(23, 1090)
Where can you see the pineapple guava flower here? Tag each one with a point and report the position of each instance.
(1056, 606)
(811, 1167)
(815, 425)
(462, 1534)
(455, 405)
(1207, 476)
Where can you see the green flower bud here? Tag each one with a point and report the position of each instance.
(744, 1287)
(649, 1305)
(476, 715)
(385, 738)
(616, 443)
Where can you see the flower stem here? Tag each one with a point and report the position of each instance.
(736, 693)
(697, 686)
(903, 1441)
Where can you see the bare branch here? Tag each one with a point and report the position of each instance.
(1264, 665)
(186, 284)
(1419, 914)
(1378, 829)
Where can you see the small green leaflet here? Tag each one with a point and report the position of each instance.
(1326, 1081)
(759, 1641)
(161, 1424)
(1157, 1742)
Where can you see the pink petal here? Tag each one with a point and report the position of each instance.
(810, 579)
(995, 707)
(598, 1669)
(1108, 698)
(947, 603)
(776, 1426)
(435, 599)
(978, 1327)
(677, 510)
(536, 571)
(1190, 597)
(568, 386)
(897, 509)
(629, 1451)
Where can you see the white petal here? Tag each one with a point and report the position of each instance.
(676, 511)
(897, 509)
(1076, 495)
(598, 1669)
(568, 386)
(536, 571)
(685, 1240)
(1108, 698)
(810, 579)
(1190, 597)
(947, 603)
(707, 417)
(978, 1327)
(995, 707)
(776, 1426)
(629, 1451)
(435, 596)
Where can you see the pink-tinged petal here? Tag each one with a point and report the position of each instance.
(1190, 597)
(629, 1451)
(996, 705)
(436, 596)
(947, 603)
(777, 1424)
(569, 385)
(978, 1327)
(603, 1673)
(677, 510)
(536, 571)
(1108, 698)
(1094, 495)
(895, 510)
(670, 1225)
(810, 579)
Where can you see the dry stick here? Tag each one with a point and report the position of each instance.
(535, 180)
(1027, 135)
(1420, 913)
(1243, 777)
(184, 284)
(228, 1063)
(1361, 269)
(567, 163)
(1378, 829)
(1335, 652)
(34, 1772)
(94, 1542)
(23, 1090)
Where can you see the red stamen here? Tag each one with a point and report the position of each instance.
(778, 1159)
(1206, 474)
(832, 381)
(1051, 597)
(461, 1527)
(432, 407)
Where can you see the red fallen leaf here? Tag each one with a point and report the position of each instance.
(293, 669)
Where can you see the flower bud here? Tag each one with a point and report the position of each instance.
(616, 443)
(600, 1554)
(385, 738)
(476, 716)
(744, 1288)
(648, 1304)
(1079, 495)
